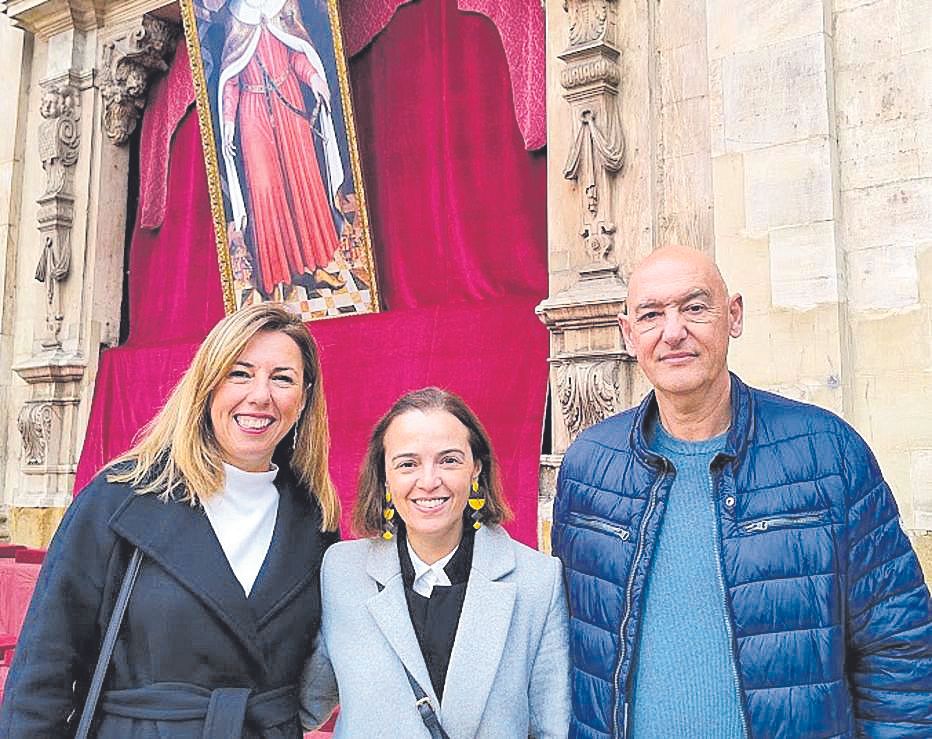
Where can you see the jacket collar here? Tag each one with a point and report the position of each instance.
(480, 636)
(740, 432)
(179, 538)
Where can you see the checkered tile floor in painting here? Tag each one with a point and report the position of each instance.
(353, 297)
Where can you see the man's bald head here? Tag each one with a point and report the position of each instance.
(679, 320)
(678, 258)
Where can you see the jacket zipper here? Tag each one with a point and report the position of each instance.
(781, 521)
(598, 524)
(638, 553)
(729, 628)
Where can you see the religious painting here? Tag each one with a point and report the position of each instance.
(277, 129)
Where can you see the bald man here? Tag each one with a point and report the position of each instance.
(733, 559)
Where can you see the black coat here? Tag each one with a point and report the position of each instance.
(189, 629)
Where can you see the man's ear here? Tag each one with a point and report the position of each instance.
(735, 315)
(624, 323)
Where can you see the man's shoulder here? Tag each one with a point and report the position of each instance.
(779, 417)
(612, 434)
(784, 427)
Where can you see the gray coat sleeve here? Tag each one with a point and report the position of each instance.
(549, 688)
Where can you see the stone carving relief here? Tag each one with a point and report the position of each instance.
(587, 391)
(591, 78)
(59, 146)
(589, 19)
(35, 426)
(597, 153)
(129, 63)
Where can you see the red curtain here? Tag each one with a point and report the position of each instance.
(458, 213)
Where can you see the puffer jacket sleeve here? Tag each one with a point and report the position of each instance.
(889, 615)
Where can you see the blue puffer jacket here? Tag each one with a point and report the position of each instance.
(830, 618)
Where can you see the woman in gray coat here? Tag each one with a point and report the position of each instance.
(437, 623)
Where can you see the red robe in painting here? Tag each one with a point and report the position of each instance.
(289, 215)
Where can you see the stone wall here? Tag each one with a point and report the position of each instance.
(792, 139)
(73, 80)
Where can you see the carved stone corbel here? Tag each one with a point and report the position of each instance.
(59, 146)
(587, 391)
(129, 63)
(35, 427)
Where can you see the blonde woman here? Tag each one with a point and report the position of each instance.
(228, 498)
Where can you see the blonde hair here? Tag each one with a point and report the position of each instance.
(178, 450)
(370, 490)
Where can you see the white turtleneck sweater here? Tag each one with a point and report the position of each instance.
(243, 518)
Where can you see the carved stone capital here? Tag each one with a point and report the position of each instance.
(591, 21)
(35, 426)
(129, 63)
(588, 392)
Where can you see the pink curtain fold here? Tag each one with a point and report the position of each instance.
(521, 28)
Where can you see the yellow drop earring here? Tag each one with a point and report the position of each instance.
(477, 503)
(389, 528)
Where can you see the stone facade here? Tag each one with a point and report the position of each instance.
(72, 85)
(793, 141)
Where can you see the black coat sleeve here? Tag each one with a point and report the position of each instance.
(58, 645)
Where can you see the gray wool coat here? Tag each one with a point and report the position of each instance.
(509, 668)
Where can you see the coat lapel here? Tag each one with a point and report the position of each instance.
(389, 609)
(179, 538)
(294, 555)
(481, 634)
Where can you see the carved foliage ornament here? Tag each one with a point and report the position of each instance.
(128, 65)
(587, 392)
(589, 19)
(35, 426)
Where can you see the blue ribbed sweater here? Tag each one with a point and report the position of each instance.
(685, 680)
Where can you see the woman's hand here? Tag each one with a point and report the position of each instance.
(321, 89)
(229, 148)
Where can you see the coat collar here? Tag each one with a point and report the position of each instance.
(179, 538)
(740, 432)
(480, 636)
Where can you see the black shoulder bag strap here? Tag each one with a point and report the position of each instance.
(423, 704)
(106, 648)
(425, 708)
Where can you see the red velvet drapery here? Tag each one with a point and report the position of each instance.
(458, 213)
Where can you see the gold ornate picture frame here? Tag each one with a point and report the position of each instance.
(279, 141)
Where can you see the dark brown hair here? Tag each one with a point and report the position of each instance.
(370, 490)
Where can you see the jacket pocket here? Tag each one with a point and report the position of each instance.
(784, 521)
(598, 524)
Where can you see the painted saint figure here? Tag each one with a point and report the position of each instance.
(267, 54)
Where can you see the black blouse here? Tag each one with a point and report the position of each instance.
(435, 619)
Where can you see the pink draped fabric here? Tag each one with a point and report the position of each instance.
(459, 227)
(171, 97)
(520, 25)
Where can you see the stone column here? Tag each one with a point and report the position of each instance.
(91, 70)
(591, 376)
